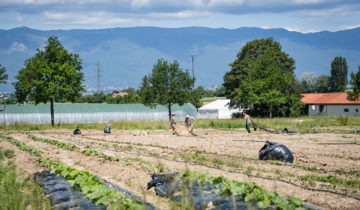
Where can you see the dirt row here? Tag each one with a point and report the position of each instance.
(220, 144)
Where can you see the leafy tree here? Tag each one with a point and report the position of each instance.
(308, 80)
(262, 77)
(354, 95)
(168, 84)
(51, 74)
(338, 78)
(322, 84)
(3, 75)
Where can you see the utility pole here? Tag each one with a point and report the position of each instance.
(98, 77)
(192, 59)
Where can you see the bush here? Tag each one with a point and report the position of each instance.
(343, 120)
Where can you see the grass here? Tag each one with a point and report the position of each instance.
(17, 192)
(305, 124)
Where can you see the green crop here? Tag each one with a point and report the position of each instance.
(249, 191)
(21, 145)
(91, 187)
(63, 145)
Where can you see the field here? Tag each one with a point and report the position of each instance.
(325, 172)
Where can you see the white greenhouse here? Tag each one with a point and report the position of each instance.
(217, 109)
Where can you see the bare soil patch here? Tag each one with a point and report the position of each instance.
(233, 154)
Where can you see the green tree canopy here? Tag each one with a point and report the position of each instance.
(168, 84)
(338, 77)
(322, 84)
(262, 77)
(3, 75)
(354, 95)
(51, 74)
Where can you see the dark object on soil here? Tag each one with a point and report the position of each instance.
(77, 131)
(107, 129)
(198, 195)
(61, 193)
(274, 151)
(254, 125)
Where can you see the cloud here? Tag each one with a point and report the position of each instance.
(178, 15)
(112, 12)
(84, 18)
(17, 47)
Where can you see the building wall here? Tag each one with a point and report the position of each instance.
(335, 110)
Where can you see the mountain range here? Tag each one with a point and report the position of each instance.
(126, 55)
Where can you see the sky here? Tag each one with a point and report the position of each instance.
(294, 15)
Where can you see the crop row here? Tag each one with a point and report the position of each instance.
(88, 152)
(91, 187)
(251, 192)
(63, 145)
(21, 145)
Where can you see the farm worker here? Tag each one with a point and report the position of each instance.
(173, 125)
(247, 121)
(188, 124)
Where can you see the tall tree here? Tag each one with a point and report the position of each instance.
(144, 82)
(322, 84)
(354, 94)
(338, 77)
(3, 75)
(262, 77)
(168, 84)
(51, 74)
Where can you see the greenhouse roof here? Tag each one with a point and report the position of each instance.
(93, 108)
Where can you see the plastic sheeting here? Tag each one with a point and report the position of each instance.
(77, 131)
(275, 151)
(198, 196)
(107, 129)
(62, 195)
(91, 113)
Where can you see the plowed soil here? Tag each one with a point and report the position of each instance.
(323, 162)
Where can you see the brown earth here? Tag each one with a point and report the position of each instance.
(221, 152)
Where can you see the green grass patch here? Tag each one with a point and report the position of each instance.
(302, 124)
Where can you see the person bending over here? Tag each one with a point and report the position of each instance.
(189, 124)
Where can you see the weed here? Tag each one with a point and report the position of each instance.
(232, 164)
(9, 153)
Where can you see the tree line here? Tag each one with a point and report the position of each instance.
(261, 79)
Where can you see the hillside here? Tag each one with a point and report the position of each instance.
(127, 54)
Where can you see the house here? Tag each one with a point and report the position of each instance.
(330, 104)
(116, 93)
(217, 109)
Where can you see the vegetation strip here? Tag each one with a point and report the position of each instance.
(91, 187)
(63, 145)
(21, 145)
(17, 192)
(249, 191)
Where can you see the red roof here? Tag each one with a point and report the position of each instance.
(326, 98)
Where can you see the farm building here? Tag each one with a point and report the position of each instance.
(330, 104)
(217, 109)
(90, 113)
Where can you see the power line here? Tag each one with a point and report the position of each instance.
(193, 74)
(98, 75)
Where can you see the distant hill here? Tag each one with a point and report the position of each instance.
(127, 54)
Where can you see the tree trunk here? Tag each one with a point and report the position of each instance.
(52, 111)
(169, 107)
(270, 111)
